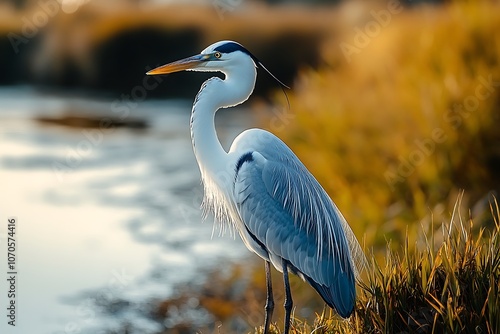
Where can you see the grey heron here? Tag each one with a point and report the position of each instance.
(260, 186)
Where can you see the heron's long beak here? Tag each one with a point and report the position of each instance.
(180, 65)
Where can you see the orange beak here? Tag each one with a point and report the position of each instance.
(180, 65)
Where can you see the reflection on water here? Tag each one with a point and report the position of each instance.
(108, 219)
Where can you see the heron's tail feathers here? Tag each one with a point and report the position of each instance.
(340, 296)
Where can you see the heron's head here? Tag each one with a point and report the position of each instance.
(220, 56)
(223, 56)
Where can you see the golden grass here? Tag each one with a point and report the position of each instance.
(452, 288)
(385, 135)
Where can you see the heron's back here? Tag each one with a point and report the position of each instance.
(287, 212)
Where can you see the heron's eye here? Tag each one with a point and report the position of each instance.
(217, 55)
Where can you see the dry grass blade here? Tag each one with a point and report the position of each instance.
(453, 289)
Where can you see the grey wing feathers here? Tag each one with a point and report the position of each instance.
(285, 208)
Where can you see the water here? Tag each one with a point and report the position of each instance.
(103, 217)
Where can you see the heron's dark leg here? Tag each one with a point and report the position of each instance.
(270, 300)
(288, 297)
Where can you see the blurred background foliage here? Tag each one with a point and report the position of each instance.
(393, 122)
(105, 47)
(395, 133)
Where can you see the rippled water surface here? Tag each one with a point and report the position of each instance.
(104, 217)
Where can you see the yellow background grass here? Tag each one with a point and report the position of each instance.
(355, 122)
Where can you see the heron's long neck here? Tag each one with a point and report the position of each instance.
(214, 94)
(207, 147)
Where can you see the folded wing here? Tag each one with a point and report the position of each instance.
(286, 210)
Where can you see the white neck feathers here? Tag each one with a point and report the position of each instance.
(214, 94)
